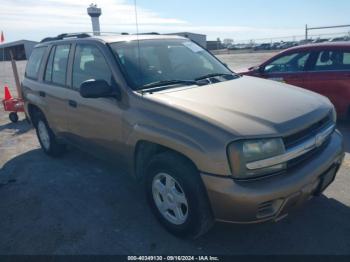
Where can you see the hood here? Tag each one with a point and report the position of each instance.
(249, 106)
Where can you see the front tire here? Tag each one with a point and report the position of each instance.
(177, 196)
(47, 138)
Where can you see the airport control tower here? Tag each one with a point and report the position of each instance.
(94, 12)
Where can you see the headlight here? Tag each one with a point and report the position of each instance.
(243, 152)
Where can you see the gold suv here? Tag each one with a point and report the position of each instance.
(208, 144)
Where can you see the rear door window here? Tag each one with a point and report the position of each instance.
(60, 62)
(33, 65)
(56, 67)
(332, 60)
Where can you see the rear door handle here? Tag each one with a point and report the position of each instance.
(72, 103)
(42, 93)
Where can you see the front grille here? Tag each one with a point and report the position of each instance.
(303, 135)
(296, 161)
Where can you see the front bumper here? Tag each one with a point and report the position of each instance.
(271, 198)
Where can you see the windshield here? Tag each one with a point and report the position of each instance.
(150, 61)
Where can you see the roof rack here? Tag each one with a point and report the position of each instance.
(65, 36)
(150, 33)
(87, 34)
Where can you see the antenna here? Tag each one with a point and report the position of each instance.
(137, 36)
(137, 24)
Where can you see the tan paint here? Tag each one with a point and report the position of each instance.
(198, 122)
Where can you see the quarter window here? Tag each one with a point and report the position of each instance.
(89, 63)
(32, 69)
(290, 63)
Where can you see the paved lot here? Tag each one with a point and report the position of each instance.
(80, 205)
(242, 61)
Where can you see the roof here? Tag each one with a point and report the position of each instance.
(124, 38)
(113, 38)
(15, 43)
(184, 33)
(321, 45)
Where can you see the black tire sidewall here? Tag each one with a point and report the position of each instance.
(13, 117)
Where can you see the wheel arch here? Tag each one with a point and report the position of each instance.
(33, 110)
(145, 150)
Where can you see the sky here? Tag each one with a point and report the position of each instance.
(238, 20)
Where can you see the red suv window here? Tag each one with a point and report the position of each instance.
(333, 60)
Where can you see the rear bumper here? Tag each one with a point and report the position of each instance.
(272, 198)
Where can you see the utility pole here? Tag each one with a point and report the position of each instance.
(306, 32)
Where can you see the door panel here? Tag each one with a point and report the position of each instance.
(330, 76)
(55, 98)
(53, 89)
(94, 124)
(296, 79)
(334, 85)
(288, 68)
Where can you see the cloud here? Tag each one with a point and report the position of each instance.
(69, 14)
(37, 19)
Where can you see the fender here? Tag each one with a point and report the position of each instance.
(174, 141)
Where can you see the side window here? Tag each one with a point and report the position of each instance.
(288, 64)
(59, 67)
(89, 63)
(335, 60)
(33, 65)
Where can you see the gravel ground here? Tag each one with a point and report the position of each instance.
(80, 205)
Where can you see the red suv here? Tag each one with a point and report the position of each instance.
(323, 68)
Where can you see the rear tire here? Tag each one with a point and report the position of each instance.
(183, 206)
(13, 117)
(47, 138)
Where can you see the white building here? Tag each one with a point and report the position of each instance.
(20, 49)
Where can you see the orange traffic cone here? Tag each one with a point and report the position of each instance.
(8, 95)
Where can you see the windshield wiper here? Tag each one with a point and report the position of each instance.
(213, 75)
(164, 84)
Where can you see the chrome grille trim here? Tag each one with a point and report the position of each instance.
(296, 151)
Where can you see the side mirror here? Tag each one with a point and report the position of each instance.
(257, 69)
(97, 88)
(254, 68)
